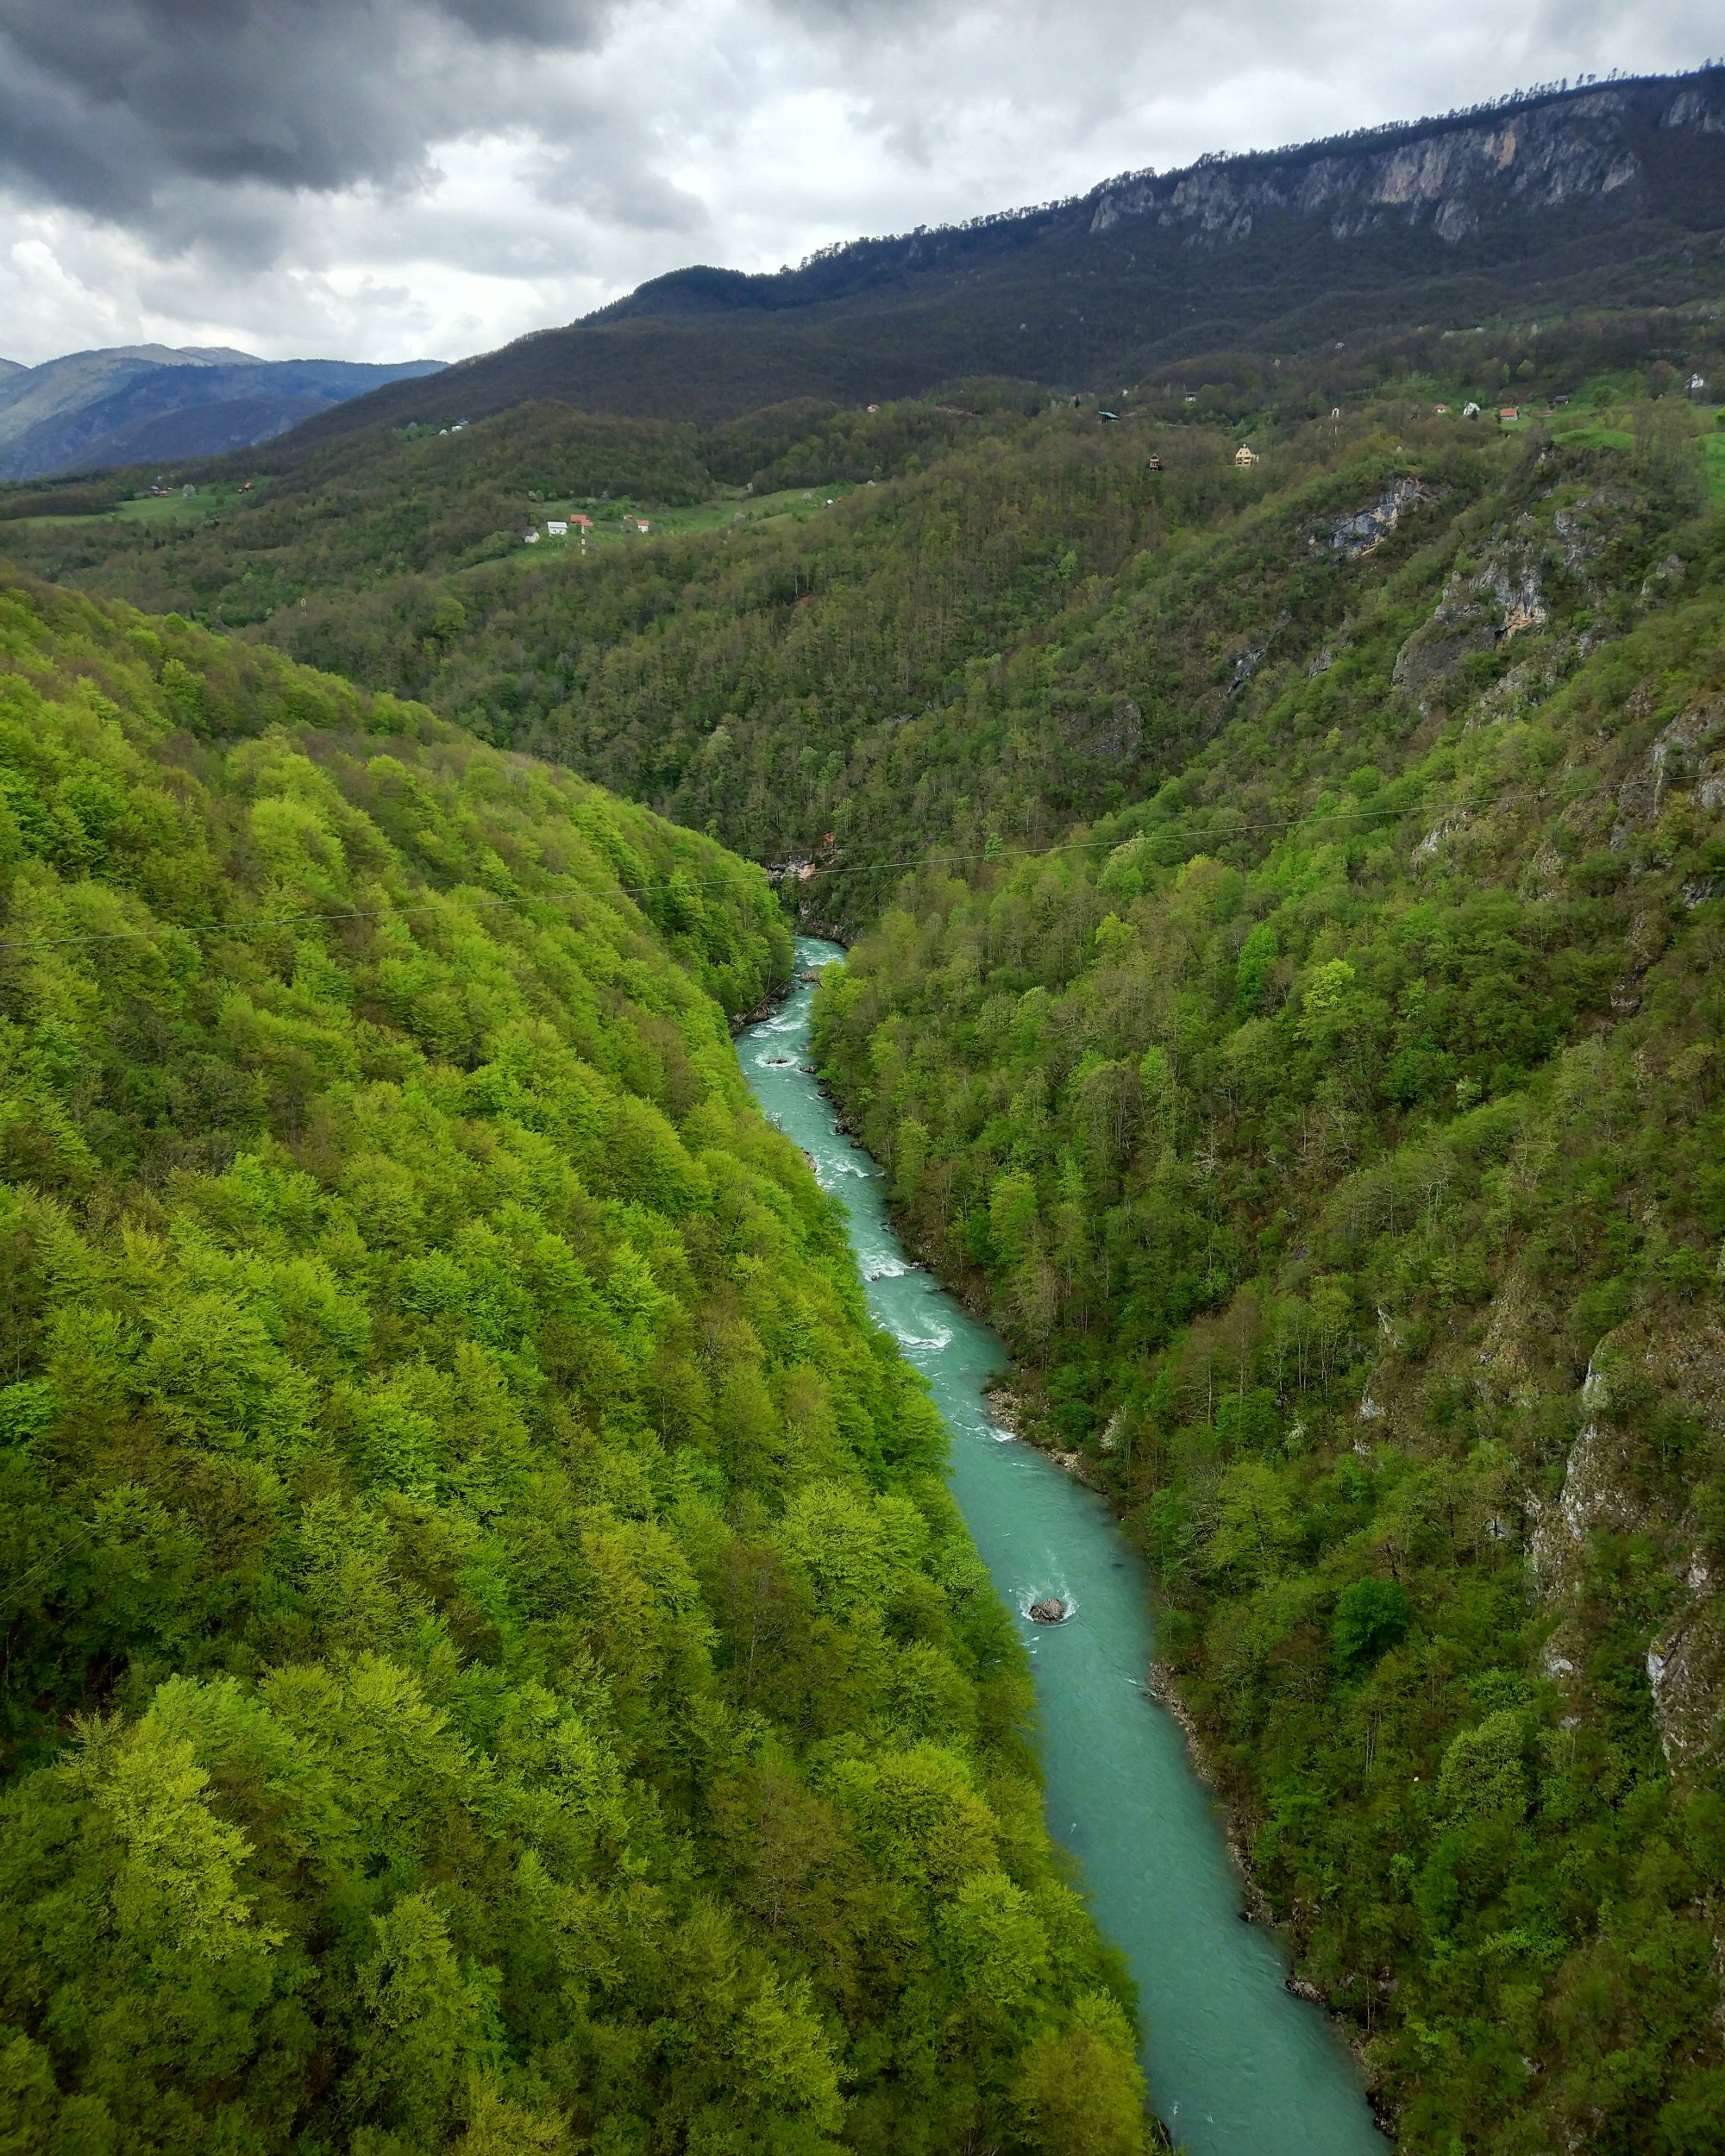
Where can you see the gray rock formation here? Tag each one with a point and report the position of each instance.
(1572, 149)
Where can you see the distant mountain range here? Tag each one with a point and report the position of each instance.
(137, 402)
(1610, 194)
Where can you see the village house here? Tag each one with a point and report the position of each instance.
(1470, 411)
(557, 528)
(530, 538)
(1246, 455)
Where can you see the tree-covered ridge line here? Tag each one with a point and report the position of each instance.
(1338, 1144)
(1041, 625)
(266, 528)
(922, 663)
(491, 1664)
(300, 521)
(1608, 196)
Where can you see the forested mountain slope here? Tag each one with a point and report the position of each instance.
(1043, 624)
(1336, 1134)
(1300, 1036)
(120, 406)
(350, 552)
(489, 1662)
(350, 517)
(1607, 194)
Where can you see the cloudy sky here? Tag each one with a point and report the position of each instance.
(395, 178)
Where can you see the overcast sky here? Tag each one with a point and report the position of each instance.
(388, 179)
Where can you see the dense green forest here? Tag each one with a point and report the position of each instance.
(1289, 902)
(491, 1664)
(1336, 1134)
(268, 530)
(415, 517)
(940, 656)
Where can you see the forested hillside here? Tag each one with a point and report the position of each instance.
(1539, 204)
(91, 409)
(351, 517)
(1298, 1031)
(949, 657)
(937, 657)
(1335, 1132)
(490, 1661)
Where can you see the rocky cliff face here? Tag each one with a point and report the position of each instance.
(1576, 148)
(1538, 205)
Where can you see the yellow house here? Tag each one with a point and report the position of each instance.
(1246, 455)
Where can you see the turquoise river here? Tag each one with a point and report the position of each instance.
(1237, 2066)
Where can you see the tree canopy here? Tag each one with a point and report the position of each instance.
(491, 1664)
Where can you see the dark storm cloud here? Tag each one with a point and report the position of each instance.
(385, 177)
(109, 105)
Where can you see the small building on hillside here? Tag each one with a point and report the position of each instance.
(1470, 410)
(582, 523)
(1246, 455)
(1508, 411)
(531, 538)
(557, 528)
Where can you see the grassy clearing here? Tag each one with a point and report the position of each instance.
(1716, 464)
(150, 509)
(730, 508)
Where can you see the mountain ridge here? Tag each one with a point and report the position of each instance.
(1607, 191)
(123, 403)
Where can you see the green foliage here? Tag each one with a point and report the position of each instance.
(1025, 631)
(352, 516)
(1331, 1132)
(1372, 1617)
(490, 1661)
(1300, 1036)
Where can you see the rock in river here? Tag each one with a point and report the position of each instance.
(1049, 1611)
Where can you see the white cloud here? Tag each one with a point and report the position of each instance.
(388, 178)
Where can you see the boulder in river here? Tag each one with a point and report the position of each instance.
(1049, 1611)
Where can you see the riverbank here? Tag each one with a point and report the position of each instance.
(1014, 1411)
(1239, 2067)
(1013, 1408)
